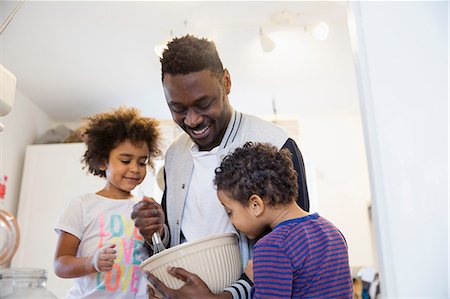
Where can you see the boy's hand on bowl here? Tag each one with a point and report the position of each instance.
(193, 287)
(249, 270)
(148, 217)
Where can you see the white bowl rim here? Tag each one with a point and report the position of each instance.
(187, 244)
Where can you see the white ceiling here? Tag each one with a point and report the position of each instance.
(75, 58)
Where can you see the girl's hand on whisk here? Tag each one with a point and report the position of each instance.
(148, 217)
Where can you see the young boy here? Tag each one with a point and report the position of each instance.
(304, 256)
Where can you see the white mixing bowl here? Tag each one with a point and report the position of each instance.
(215, 259)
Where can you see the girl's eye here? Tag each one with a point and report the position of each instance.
(142, 163)
(125, 162)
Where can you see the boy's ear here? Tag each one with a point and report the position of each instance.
(256, 204)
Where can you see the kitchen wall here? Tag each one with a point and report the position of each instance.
(23, 125)
(402, 58)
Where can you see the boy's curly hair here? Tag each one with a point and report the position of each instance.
(105, 131)
(261, 169)
(188, 54)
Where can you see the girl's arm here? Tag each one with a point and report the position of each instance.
(66, 263)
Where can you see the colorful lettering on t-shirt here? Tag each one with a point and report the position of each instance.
(125, 275)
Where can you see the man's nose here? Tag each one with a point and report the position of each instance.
(193, 119)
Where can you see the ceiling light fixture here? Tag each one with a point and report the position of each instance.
(267, 43)
(320, 31)
(159, 49)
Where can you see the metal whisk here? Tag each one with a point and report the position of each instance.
(158, 246)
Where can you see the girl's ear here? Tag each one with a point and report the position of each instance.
(103, 167)
(256, 204)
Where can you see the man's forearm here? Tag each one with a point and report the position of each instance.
(224, 295)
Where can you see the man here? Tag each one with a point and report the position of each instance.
(196, 87)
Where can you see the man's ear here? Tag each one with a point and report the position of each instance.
(256, 204)
(227, 81)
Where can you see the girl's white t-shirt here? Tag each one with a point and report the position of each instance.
(98, 221)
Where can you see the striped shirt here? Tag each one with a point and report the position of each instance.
(302, 258)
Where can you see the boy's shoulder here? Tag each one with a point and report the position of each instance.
(297, 228)
(281, 234)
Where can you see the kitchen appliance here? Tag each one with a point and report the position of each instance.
(9, 237)
(24, 283)
(18, 283)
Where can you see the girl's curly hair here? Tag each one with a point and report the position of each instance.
(105, 131)
(261, 169)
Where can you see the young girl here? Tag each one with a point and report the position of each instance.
(304, 256)
(98, 244)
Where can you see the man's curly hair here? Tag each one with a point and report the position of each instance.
(261, 169)
(105, 131)
(188, 54)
